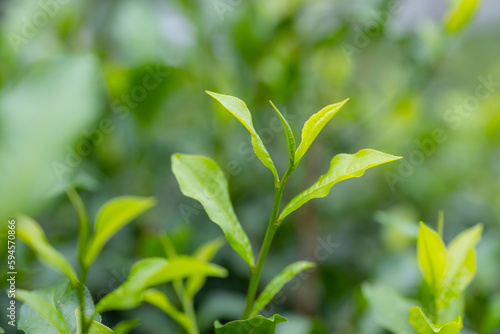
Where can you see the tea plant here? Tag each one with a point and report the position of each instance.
(201, 178)
(68, 308)
(446, 270)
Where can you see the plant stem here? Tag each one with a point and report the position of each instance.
(272, 227)
(81, 298)
(187, 305)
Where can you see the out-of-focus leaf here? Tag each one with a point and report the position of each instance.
(125, 326)
(278, 282)
(160, 300)
(460, 14)
(432, 256)
(83, 222)
(112, 217)
(32, 234)
(43, 103)
(424, 326)
(201, 178)
(239, 109)
(255, 325)
(290, 139)
(49, 319)
(343, 166)
(314, 125)
(204, 253)
(461, 265)
(95, 327)
(151, 272)
(60, 301)
(389, 308)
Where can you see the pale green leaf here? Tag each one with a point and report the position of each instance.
(94, 327)
(204, 253)
(151, 272)
(63, 299)
(461, 265)
(201, 178)
(239, 109)
(112, 217)
(160, 300)
(432, 257)
(314, 125)
(53, 101)
(460, 14)
(32, 234)
(389, 308)
(53, 321)
(290, 139)
(255, 325)
(423, 325)
(343, 166)
(278, 282)
(126, 326)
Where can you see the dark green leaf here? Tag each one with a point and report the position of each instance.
(255, 325)
(45, 310)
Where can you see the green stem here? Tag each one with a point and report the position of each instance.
(187, 305)
(81, 299)
(272, 227)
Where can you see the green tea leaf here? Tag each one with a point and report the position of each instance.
(94, 328)
(151, 272)
(60, 300)
(432, 257)
(278, 282)
(112, 217)
(239, 109)
(160, 300)
(314, 125)
(343, 166)
(461, 265)
(204, 253)
(389, 308)
(460, 14)
(200, 178)
(290, 139)
(52, 322)
(255, 325)
(125, 326)
(32, 234)
(423, 325)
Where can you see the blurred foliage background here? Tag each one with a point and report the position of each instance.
(99, 94)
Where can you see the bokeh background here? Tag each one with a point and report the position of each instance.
(99, 95)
